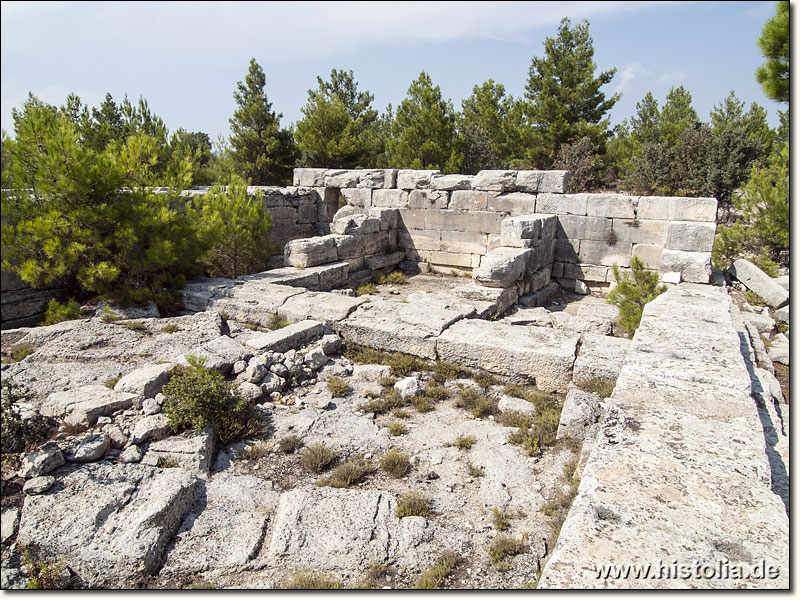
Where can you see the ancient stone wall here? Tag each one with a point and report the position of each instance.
(452, 221)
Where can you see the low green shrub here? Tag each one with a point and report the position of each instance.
(338, 387)
(366, 288)
(446, 369)
(171, 328)
(413, 504)
(396, 428)
(197, 398)
(112, 381)
(276, 321)
(317, 457)
(478, 404)
(347, 474)
(633, 291)
(18, 435)
(598, 386)
(290, 443)
(21, 351)
(57, 312)
(464, 442)
(310, 580)
(395, 277)
(434, 576)
(500, 520)
(395, 463)
(504, 547)
(422, 404)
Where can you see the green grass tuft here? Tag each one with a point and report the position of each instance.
(347, 474)
(317, 457)
(395, 463)
(413, 504)
(434, 576)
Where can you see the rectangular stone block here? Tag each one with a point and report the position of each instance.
(649, 254)
(310, 252)
(640, 231)
(361, 197)
(428, 199)
(557, 270)
(600, 253)
(497, 181)
(349, 247)
(562, 204)
(618, 206)
(468, 200)
(389, 198)
(381, 261)
(342, 178)
(408, 179)
(528, 181)
(307, 213)
(463, 242)
(567, 250)
(380, 242)
(574, 227)
(689, 236)
(515, 203)
(523, 227)
(695, 267)
(420, 239)
(388, 217)
(308, 177)
(292, 336)
(411, 218)
(540, 279)
(519, 353)
(377, 178)
(451, 182)
(502, 267)
(449, 259)
(677, 208)
(584, 272)
(759, 282)
(554, 182)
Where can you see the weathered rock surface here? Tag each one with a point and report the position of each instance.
(41, 462)
(146, 381)
(759, 282)
(82, 406)
(510, 404)
(92, 448)
(151, 428)
(520, 353)
(600, 357)
(292, 336)
(109, 524)
(225, 528)
(678, 469)
(9, 521)
(190, 451)
(319, 306)
(38, 485)
(580, 412)
(502, 267)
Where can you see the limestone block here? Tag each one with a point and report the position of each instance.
(382, 261)
(580, 412)
(390, 198)
(41, 462)
(502, 299)
(388, 217)
(357, 224)
(307, 213)
(292, 336)
(782, 314)
(528, 181)
(759, 282)
(515, 203)
(348, 210)
(468, 200)
(650, 254)
(575, 227)
(691, 237)
(319, 306)
(191, 451)
(309, 177)
(145, 381)
(348, 247)
(379, 242)
(541, 297)
(463, 242)
(451, 182)
(428, 199)
(312, 251)
(524, 227)
(782, 281)
(361, 197)
(568, 250)
(496, 181)
(557, 270)
(677, 209)
(341, 178)
(618, 206)
(414, 179)
(762, 323)
(554, 182)
(600, 253)
(640, 231)
(519, 353)
(502, 267)
(695, 267)
(600, 357)
(540, 279)
(511, 404)
(377, 178)
(82, 406)
(584, 272)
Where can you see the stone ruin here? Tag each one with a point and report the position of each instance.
(686, 462)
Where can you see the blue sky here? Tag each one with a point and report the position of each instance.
(186, 57)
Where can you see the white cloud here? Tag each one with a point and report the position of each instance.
(628, 73)
(672, 76)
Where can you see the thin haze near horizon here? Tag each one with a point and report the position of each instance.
(185, 57)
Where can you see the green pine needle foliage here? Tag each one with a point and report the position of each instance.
(57, 312)
(633, 291)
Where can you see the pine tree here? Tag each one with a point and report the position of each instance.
(264, 154)
(424, 132)
(491, 113)
(646, 123)
(339, 127)
(564, 98)
(677, 115)
(773, 75)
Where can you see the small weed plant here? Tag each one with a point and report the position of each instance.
(633, 291)
(395, 463)
(317, 457)
(289, 444)
(338, 387)
(413, 504)
(436, 575)
(465, 442)
(347, 474)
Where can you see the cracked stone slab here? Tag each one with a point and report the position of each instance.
(291, 336)
(319, 306)
(84, 405)
(520, 353)
(110, 524)
(411, 328)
